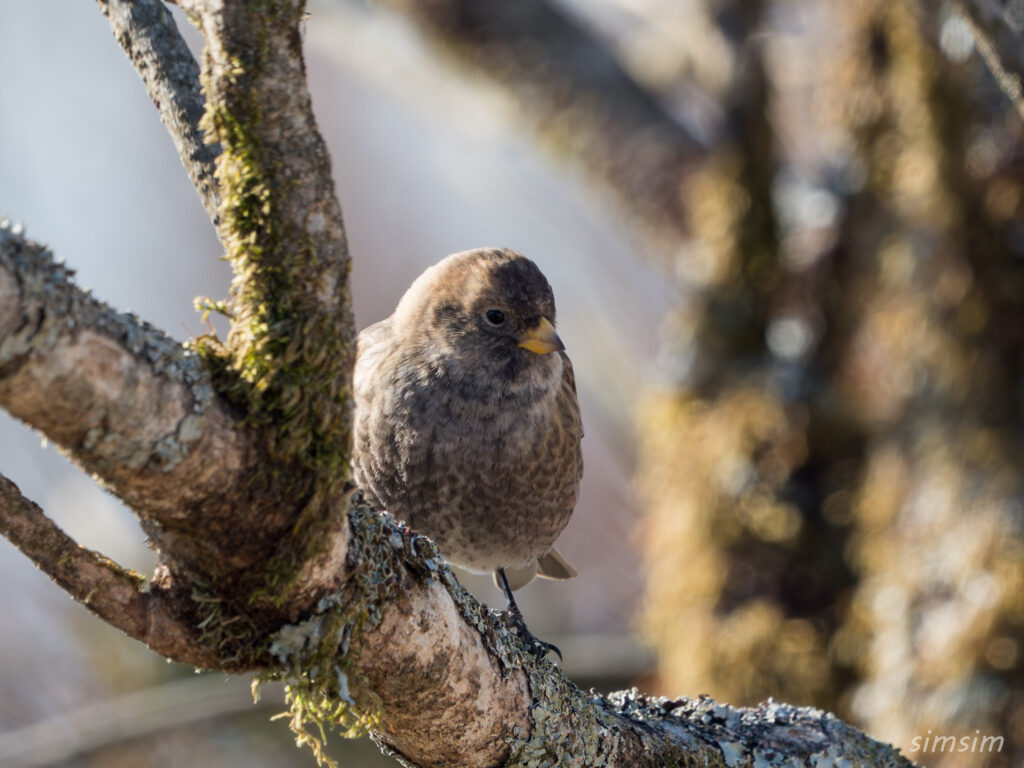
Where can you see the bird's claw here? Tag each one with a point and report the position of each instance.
(542, 649)
(539, 647)
(515, 616)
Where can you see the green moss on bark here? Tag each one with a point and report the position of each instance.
(285, 363)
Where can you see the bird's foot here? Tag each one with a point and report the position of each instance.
(539, 647)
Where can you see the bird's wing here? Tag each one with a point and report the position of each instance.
(569, 398)
(372, 343)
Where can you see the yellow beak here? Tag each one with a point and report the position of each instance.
(542, 338)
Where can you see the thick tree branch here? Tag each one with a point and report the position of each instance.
(137, 409)
(1000, 42)
(448, 683)
(129, 403)
(148, 34)
(148, 613)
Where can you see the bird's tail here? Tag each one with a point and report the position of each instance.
(549, 566)
(554, 566)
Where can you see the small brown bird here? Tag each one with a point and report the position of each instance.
(467, 425)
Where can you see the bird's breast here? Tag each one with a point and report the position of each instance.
(488, 471)
(480, 413)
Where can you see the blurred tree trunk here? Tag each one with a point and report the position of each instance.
(930, 365)
(835, 512)
(745, 563)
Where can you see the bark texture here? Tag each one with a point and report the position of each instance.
(130, 404)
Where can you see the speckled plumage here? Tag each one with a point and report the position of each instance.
(462, 432)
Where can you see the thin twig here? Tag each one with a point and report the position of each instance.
(115, 594)
(1000, 44)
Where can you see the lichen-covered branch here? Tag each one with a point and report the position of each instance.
(130, 404)
(1000, 42)
(148, 34)
(147, 612)
(405, 650)
(138, 410)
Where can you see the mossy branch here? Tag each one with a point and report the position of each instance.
(290, 344)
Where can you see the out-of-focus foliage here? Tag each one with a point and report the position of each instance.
(834, 483)
(742, 598)
(930, 262)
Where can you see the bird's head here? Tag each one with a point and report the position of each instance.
(490, 307)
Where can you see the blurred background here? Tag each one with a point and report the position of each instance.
(786, 243)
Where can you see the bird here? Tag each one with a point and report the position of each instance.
(466, 419)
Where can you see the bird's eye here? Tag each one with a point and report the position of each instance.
(494, 316)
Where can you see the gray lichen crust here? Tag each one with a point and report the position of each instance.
(48, 311)
(334, 661)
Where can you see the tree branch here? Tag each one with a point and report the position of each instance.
(1000, 43)
(129, 403)
(447, 683)
(281, 225)
(148, 34)
(120, 597)
(135, 408)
